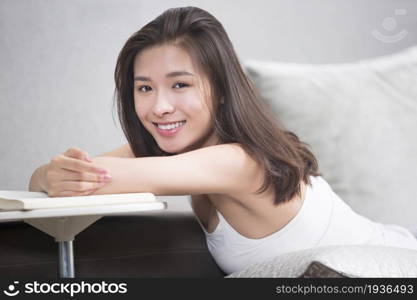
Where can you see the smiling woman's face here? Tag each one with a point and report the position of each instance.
(170, 100)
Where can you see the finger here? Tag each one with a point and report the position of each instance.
(80, 186)
(75, 152)
(77, 165)
(84, 176)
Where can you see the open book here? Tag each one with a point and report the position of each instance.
(23, 200)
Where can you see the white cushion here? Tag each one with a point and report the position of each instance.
(349, 261)
(361, 122)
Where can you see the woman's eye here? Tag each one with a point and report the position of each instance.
(144, 88)
(180, 85)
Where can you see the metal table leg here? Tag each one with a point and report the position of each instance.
(64, 230)
(66, 259)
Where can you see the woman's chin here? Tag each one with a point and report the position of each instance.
(172, 149)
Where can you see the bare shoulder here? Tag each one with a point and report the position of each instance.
(228, 168)
(123, 151)
(250, 173)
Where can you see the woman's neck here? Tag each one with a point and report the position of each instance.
(210, 139)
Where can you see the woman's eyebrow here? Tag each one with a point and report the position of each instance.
(170, 74)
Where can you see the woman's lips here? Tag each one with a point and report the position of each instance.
(169, 132)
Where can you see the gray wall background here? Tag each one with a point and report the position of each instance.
(57, 60)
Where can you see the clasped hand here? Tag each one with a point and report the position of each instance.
(73, 173)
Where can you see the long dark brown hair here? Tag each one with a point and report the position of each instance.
(239, 113)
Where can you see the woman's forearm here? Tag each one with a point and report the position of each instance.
(216, 169)
(36, 181)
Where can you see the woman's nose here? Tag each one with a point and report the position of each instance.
(163, 105)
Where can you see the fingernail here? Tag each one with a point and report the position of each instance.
(87, 158)
(107, 177)
(102, 171)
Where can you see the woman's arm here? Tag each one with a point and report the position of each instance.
(225, 168)
(123, 151)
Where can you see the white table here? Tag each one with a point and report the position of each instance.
(65, 223)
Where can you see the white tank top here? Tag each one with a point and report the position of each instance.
(323, 220)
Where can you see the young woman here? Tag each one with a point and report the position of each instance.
(196, 126)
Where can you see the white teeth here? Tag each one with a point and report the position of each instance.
(171, 126)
